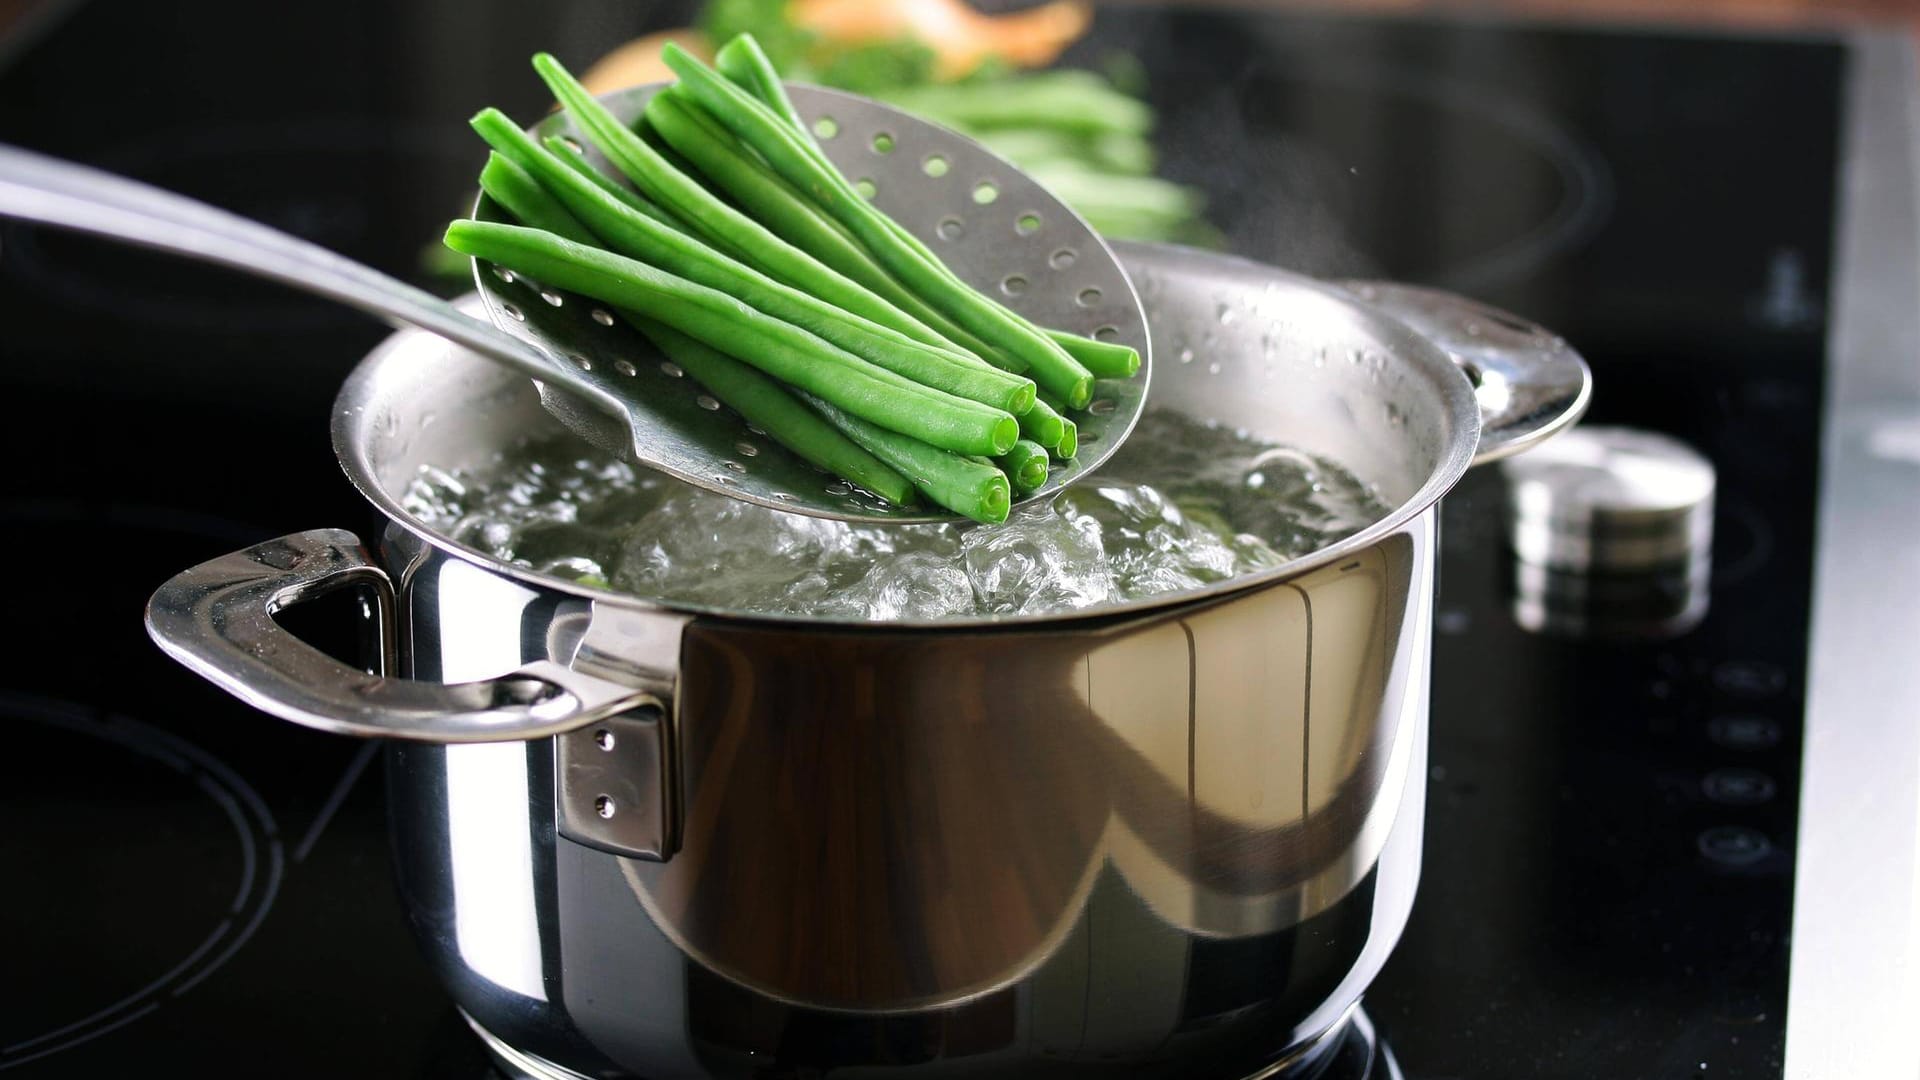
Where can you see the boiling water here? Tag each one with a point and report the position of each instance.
(1181, 505)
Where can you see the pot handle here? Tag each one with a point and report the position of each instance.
(217, 619)
(1528, 380)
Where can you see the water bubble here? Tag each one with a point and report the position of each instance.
(1182, 505)
(1186, 356)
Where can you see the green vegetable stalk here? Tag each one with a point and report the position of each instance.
(779, 349)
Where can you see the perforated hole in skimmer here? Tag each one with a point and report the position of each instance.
(992, 225)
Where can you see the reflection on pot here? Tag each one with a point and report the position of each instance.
(1265, 808)
(880, 821)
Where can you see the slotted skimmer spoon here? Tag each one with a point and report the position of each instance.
(995, 227)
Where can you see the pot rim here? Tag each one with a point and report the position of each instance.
(1455, 390)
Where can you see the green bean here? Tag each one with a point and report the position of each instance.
(643, 128)
(1106, 359)
(1068, 443)
(749, 68)
(759, 127)
(1025, 465)
(718, 222)
(519, 194)
(751, 187)
(1066, 100)
(782, 350)
(721, 159)
(961, 484)
(570, 154)
(759, 399)
(1107, 154)
(773, 410)
(637, 236)
(758, 79)
(743, 61)
(1043, 424)
(754, 74)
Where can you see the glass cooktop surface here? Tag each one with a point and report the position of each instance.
(1607, 881)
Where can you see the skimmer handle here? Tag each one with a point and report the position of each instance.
(54, 192)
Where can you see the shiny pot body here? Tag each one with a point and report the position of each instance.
(1173, 845)
(1175, 837)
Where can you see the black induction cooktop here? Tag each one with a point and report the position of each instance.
(1607, 883)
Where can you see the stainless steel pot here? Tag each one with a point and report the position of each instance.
(638, 839)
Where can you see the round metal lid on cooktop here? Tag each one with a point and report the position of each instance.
(1610, 499)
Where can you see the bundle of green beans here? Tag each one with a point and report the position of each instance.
(743, 255)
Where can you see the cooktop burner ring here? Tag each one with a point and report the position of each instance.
(261, 856)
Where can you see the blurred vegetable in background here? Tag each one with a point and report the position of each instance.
(1080, 133)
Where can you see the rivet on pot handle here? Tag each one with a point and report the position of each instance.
(1528, 380)
(217, 619)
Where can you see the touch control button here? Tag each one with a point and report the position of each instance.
(1749, 678)
(1738, 787)
(1744, 732)
(1734, 845)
